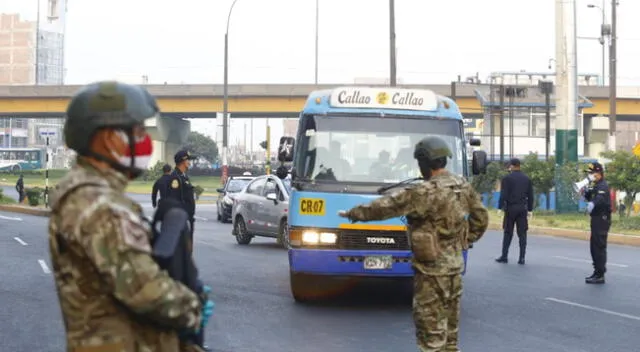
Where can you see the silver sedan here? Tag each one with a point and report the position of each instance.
(261, 209)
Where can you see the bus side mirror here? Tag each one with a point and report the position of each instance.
(479, 162)
(285, 150)
(474, 142)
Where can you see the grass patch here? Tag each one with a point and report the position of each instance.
(575, 221)
(209, 183)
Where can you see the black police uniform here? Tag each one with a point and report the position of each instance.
(181, 189)
(161, 185)
(598, 194)
(20, 189)
(172, 251)
(516, 200)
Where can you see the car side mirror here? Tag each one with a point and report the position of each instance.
(272, 196)
(220, 190)
(479, 162)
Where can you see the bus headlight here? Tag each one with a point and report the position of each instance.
(313, 237)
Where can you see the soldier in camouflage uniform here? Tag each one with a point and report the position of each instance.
(444, 215)
(112, 294)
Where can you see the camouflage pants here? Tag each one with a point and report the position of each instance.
(436, 311)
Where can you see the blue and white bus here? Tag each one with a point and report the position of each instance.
(18, 159)
(351, 142)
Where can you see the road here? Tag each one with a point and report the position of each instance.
(542, 306)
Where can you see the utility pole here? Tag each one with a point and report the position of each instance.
(613, 62)
(392, 42)
(566, 97)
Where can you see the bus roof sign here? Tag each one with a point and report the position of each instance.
(384, 98)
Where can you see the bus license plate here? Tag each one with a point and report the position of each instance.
(378, 262)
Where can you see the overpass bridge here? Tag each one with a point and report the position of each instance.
(178, 102)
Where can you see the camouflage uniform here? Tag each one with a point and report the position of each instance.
(436, 212)
(113, 296)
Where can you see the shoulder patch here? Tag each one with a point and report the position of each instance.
(175, 183)
(135, 235)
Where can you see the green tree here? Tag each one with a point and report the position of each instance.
(154, 172)
(622, 174)
(203, 146)
(488, 182)
(541, 173)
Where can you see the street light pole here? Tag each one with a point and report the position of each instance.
(392, 42)
(225, 103)
(612, 77)
(604, 31)
(317, 37)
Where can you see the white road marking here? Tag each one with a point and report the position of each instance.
(10, 218)
(44, 266)
(588, 261)
(19, 240)
(200, 218)
(595, 309)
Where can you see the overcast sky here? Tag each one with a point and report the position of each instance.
(272, 41)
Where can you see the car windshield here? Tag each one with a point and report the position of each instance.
(236, 185)
(372, 149)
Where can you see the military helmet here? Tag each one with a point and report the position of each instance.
(105, 104)
(432, 148)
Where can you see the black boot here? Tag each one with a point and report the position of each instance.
(506, 242)
(592, 275)
(522, 239)
(596, 279)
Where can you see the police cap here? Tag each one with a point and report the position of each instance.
(106, 104)
(594, 167)
(183, 155)
(432, 148)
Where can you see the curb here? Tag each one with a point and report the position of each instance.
(615, 238)
(21, 209)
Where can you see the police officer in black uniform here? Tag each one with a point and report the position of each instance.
(599, 207)
(161, 185)
(516, 200)
(180, 188)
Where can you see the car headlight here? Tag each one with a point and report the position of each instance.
(313, 237)
(227, 200)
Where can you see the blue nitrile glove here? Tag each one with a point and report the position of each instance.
(207, 311)
(590, 207)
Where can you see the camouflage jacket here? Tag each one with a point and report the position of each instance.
(444, 213)
(112, 294)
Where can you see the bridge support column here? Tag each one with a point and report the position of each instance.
(598, 133)
(168, 134)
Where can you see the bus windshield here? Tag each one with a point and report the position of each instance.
(372, 149)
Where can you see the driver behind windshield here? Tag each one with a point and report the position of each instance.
(381, 169)
(341, 168)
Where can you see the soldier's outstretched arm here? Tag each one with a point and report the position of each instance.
(478, 214)
(387, 207)
(117, 243)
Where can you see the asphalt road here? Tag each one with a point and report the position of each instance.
(542, 306)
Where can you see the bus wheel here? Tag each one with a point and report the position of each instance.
(15, 168)
(240, 230)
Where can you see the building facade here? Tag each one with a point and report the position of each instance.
(32, 52)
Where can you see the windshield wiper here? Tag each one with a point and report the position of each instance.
(386, 188)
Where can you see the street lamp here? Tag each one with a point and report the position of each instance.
(225, 101)
(605, 31)
(392, 42)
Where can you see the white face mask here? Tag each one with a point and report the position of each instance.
(143, 149)
(591, 177)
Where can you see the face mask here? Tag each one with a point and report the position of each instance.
(142, 150)
(591, 177)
